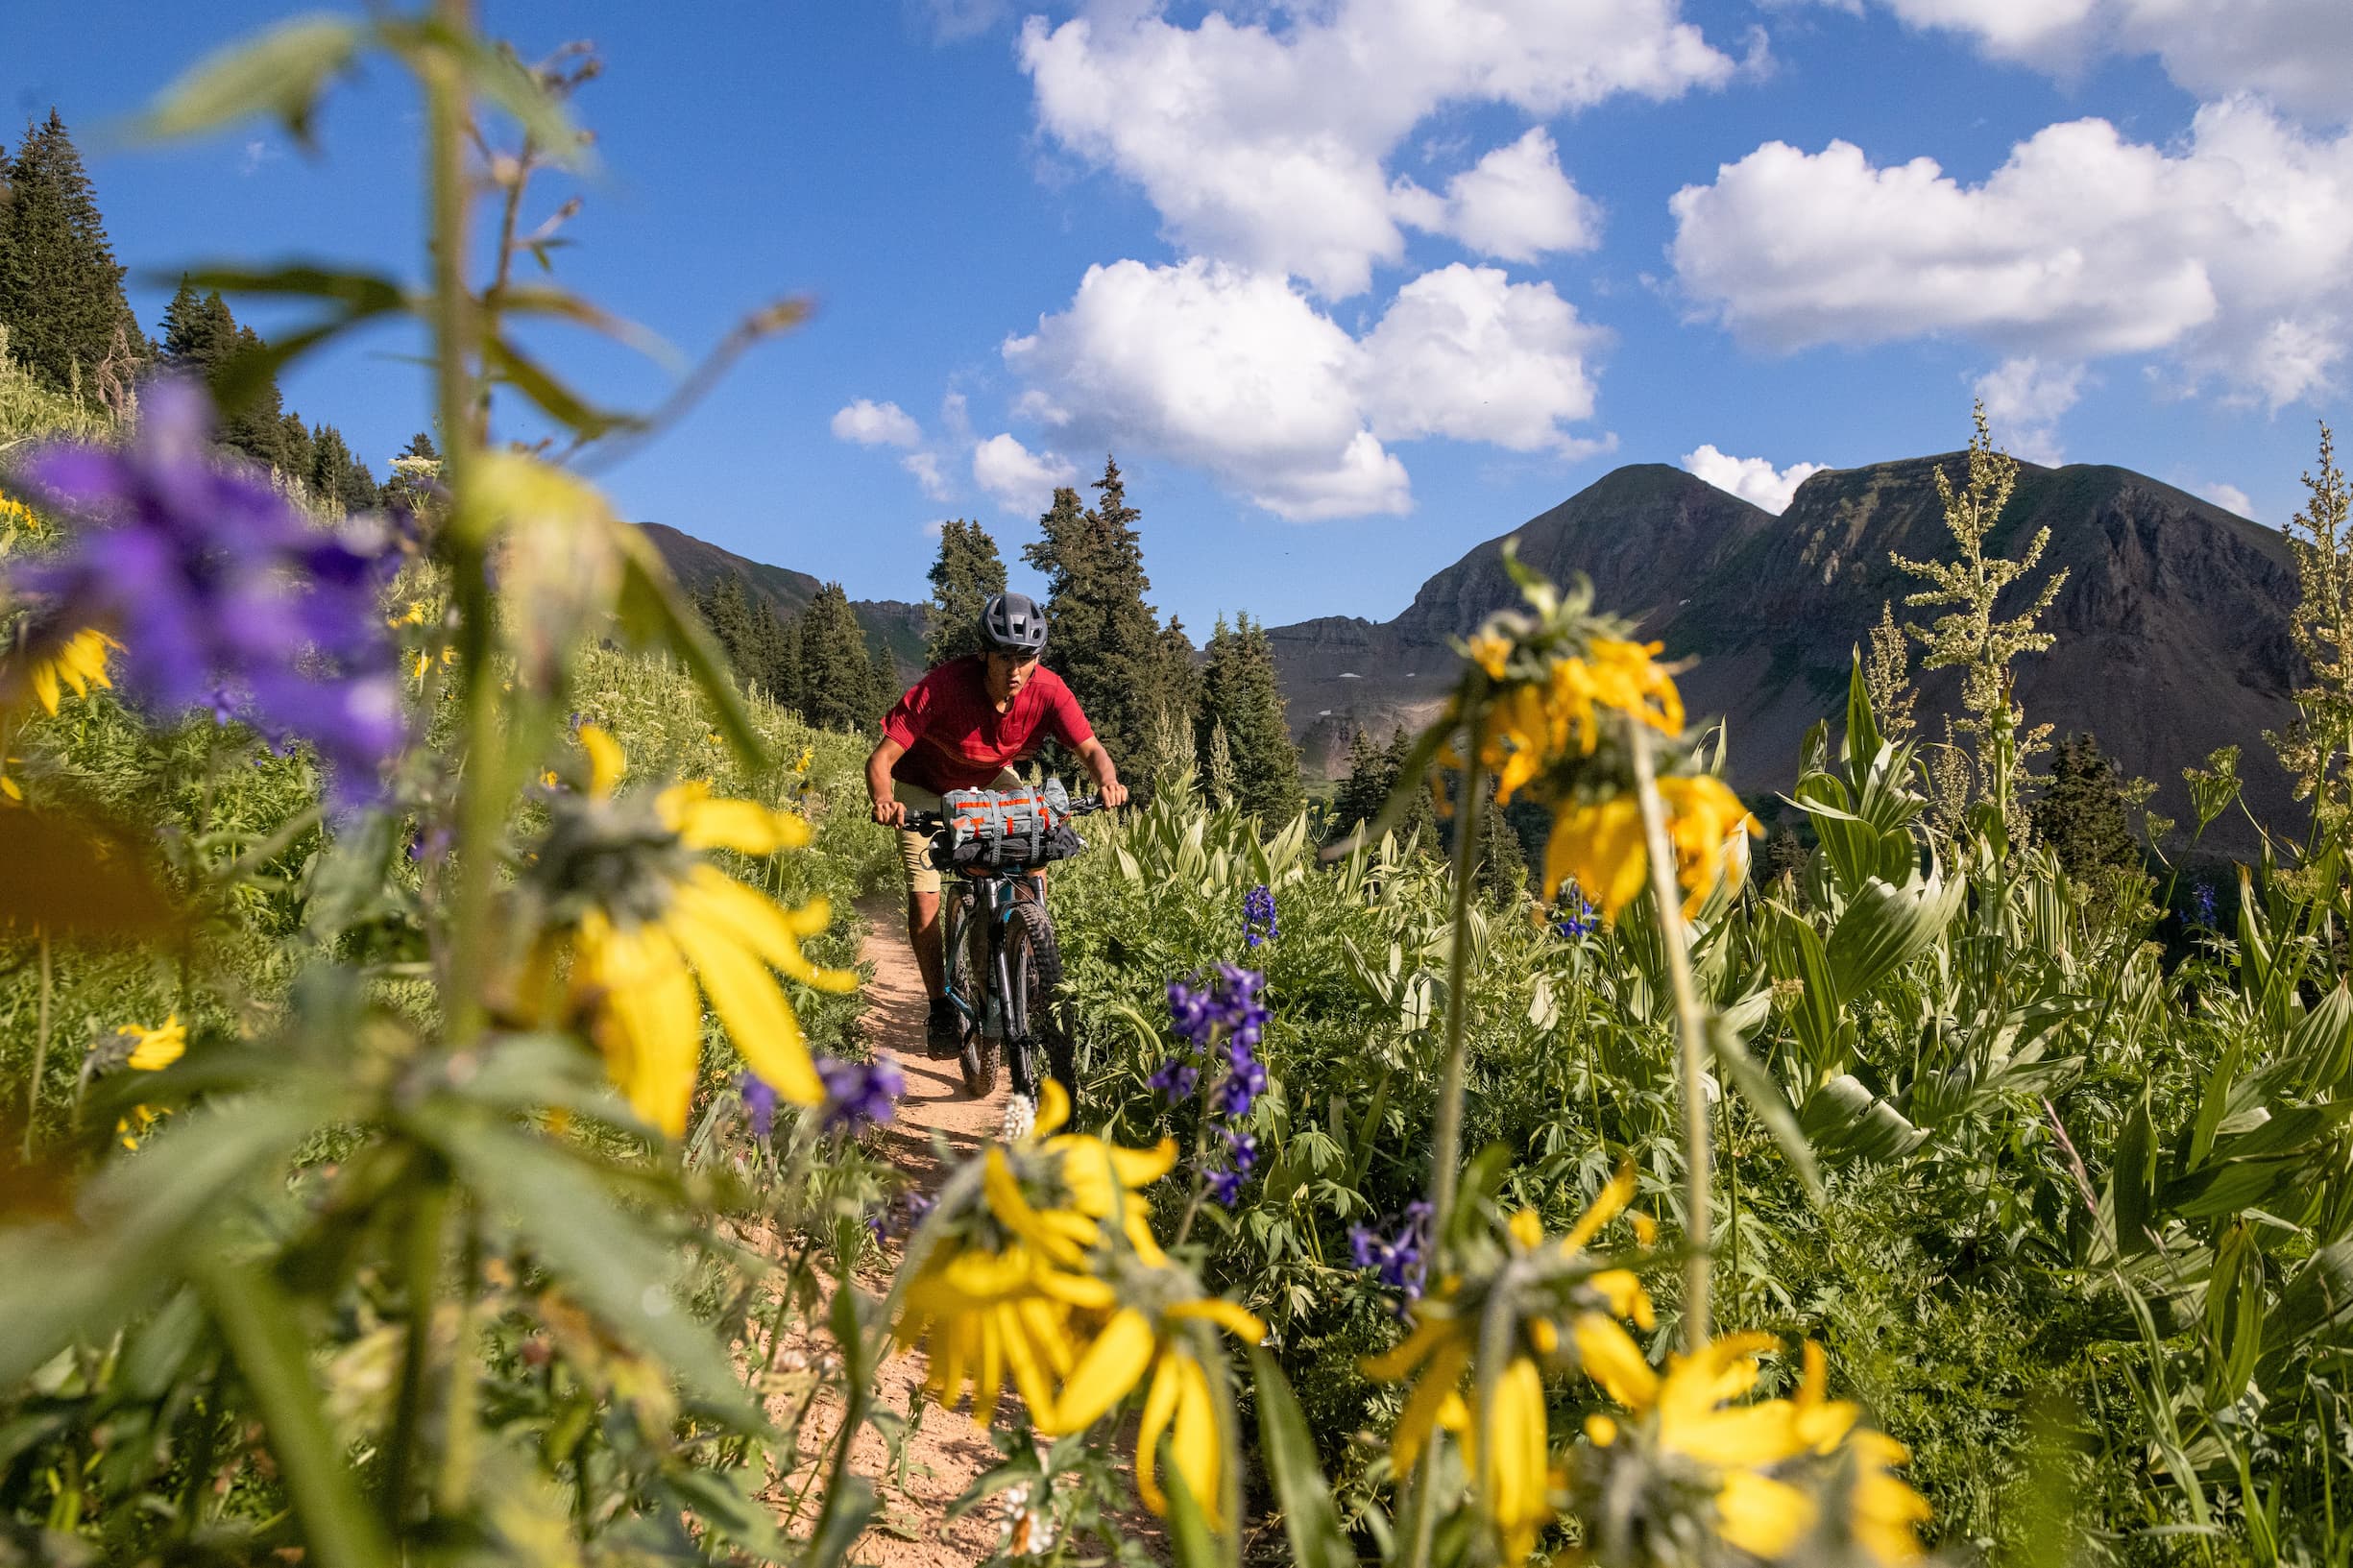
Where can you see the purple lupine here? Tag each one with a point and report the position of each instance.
(225, 597)
(1245, 1080)
(2201, 906)
(1574, 916)
(859, 1094)
(1175, 1079)
(759, 1104)
(1258, 909)
(1397, 1256)
(1226, 1180)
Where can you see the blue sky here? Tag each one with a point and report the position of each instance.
(1351, 286)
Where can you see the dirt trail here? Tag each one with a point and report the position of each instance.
(948, 1449)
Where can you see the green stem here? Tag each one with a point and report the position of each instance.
(40, 1053)
(1446, 1137)
(481, 806)
(457, 1440)
(1688, 1027)
(419, 1263)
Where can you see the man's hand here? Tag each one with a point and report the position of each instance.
(890, 813)
(1115, 794)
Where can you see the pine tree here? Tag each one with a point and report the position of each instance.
(197, 330)
(1363, 794)
(836, 672)
(256, 425)
(336, 472)
(785, 662)
(888, 685)
(1241, 697)
(1102, 638)
(61, 290)
(2080, 815)
(1503, 860)
(967, 572)
(1419, 818)
(294, 443)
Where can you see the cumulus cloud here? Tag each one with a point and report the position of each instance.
(1515, 203)
(1239, 373)
(2233, 251)
(870, 423)
(2298, 53)
(1754, 479)
(1021, 480)
(925, 467)
(2023, 398)
(1264, 149)
(2229, 497)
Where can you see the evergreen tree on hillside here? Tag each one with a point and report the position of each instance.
(888, 685)
(294, 441)
(838, 684)
(1102, 638)
(966, 573)
(1361, 795)
(1503, 860)
(199, 333)
(2080, 815)
(61, 291)
(1240, 696)
(256, 425)
(334, 473)
(1419, 816)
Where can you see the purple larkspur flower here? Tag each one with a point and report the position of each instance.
(1245, 1080)
(2201, 906)
(1175, 1079)
(859, 1094)
(1395, 1249)
(1258, 910)
(759, 1104)
(1226, 1178)
(900, 1216)
(216, 585)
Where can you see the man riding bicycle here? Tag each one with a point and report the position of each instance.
(963, 726)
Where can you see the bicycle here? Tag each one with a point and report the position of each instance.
(1004, 973)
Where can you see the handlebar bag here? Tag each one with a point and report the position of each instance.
(1002, 829)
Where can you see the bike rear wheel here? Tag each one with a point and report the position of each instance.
(1034, 965)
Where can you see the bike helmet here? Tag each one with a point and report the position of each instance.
(1013, 622)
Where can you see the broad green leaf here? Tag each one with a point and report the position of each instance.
(2214, 1103)
(2229, 1186)
(60, 1284)
(1310, 1522)
(372, 294)
(1861, 745)
(2132, 1183)
(719, 1500)
(617, 1269)
(1795, 952)
(849, 1507)
(2318, 1302)
(272, 1350)
(2321, 1044)
(280, 72)
(1764, 1096)
(496, 74)
(1844, 1118)
(1884, 927)
(2287, 1130)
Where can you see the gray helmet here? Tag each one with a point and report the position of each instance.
(1013, 622)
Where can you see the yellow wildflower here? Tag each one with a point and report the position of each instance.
(653, 920)
(1509, 1448)
(78, 661)
(1600, 843)
(1757, 1453)
(158, 1049)
(131, 1136)
(1489, 652)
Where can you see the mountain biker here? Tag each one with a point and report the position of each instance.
(963, 726)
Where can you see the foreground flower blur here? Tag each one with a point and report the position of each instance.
(651, 919)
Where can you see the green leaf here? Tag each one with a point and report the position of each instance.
(1844, 1118)
(367, 293)
(2321, 1043)
(2132, 1183)
(1884, 927)
(2289, 1130)
(511, 367)
(1764, 1096)
(2229, 1186)
(496, 74)
(1862, 738)
(60, 1285)
(280, 72)
(1310, 1522)
(1795, 952)
(719, 1499)
(1188, 1526)
(620, 1271)
(271, 1350)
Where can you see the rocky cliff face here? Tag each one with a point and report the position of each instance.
(698, 564)
(2172, 624)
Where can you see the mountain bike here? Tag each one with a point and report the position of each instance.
(1004, 973)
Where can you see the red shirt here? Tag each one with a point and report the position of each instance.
(955, 738)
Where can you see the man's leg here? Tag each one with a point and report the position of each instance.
(942, 1026)
(923, 934)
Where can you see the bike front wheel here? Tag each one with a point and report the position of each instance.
(1034, 965)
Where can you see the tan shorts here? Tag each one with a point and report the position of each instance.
(914, 848)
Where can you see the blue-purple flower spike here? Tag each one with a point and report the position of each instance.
(225, 598)
(1258, 911)
(859, 1094)
(759, 1104)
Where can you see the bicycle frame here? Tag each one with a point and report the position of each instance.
(997, 893)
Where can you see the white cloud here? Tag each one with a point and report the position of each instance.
(1020, 479)
(2024, 400)
(1754, 479)
(1237, 372)
(1264, 149)
(2298, 53)
(1464, 353)
(2234, 252)
(870, 423)
(1515, 203)
(2229, 497)
(953, 21)
(925, 467)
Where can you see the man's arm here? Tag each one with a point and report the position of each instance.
(889, 812)
(1107, 777)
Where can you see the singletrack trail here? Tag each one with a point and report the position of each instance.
(944, 1454)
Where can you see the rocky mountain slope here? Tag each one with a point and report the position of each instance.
(697, 565)
(2172, 625)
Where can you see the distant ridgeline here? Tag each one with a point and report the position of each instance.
(2172, 626)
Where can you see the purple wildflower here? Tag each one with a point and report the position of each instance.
(1397, 1257)
(759, 1104)
(900, 1216)
(1258, 909)
(431, 844)
(1573, 917)
(1245, 1080)
(219, 585)
(1226, 1180)
(2201, 906)
(1176, 1078)
(859, 1094)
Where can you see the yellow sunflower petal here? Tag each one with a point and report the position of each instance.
(1112, 1365)
(1761, 1517)
(1053, 1109)
(1238, 1321)
(1427, 1408)
(1397, 1363)
(1612, 1358)
(758, 1017)
(1605, 1207)
(1194, 1447)
(606, 763)
(1159, 1408)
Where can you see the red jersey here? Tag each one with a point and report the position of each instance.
(955, 738)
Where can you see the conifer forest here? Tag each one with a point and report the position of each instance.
(446, 1117)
